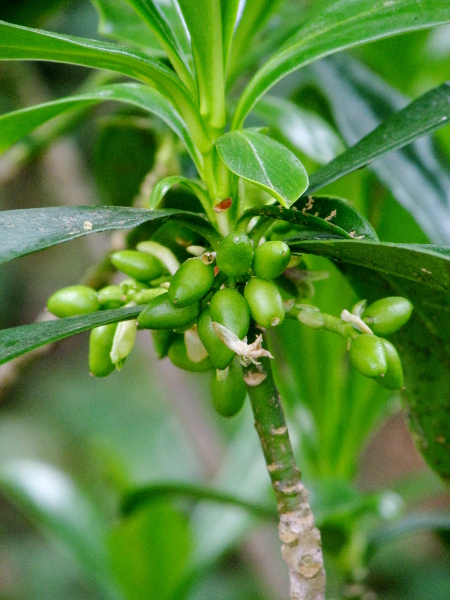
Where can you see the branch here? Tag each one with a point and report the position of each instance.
(301, 544)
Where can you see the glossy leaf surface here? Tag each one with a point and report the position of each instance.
(336, 25)
(203, 20)
(264, 162)
(18, 124)
(18, 340)
(334, 216)
(417, 176)
(424, 115)
(420, 264)
(229, 9)
(421, 274)
(33, 229)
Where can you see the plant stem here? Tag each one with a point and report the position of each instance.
(301, 544)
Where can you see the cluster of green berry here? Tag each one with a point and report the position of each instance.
(200, 314)
(224, 289)
(375, 356)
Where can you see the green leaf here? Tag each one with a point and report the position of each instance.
(149, 552)
(18, 124)
(265, 162)
(19, 340)
(33, 229)
(52, 500)
(33, 44)
(229, 9)
(253, 18)
(194, 186)
(336, 25)
(424, 115)
(302, 128)
(413, 262)
(421, 274)
(203, 20)
(153, 17)
(417, 176)
(119, 22)
(316, 213)
(138, 497)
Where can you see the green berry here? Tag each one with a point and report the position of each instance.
(228, 391)
(231, 310)
(265, 302)
(368, 355)
(73, 300)
(178, 356)
(143, 267)
(221, 356)
(271, 259)
(393, 378)
(387, 315)
(100, 344)
(191, 282)
(111, 296)
(162, 338)
(235, 254)
(160, 313)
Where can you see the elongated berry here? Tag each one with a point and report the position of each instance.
(100, 344)
(235, 254)
(111, 296)
(228, 391)
(73, 300)
(231, 310)
(191, 282)
(160, 313)
(271, 259)
(265, 302)
(143, 267)
(368, 355)
(393, 378)
(387, 315)
(221, 356)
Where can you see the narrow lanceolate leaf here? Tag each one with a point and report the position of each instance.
(229, 9)
(150, 13)
(265, 162)
(195, 186)
(302, 128)
(32, 44)
(336, 25)
(203, 20)
(120, 23)
(29, 230)
(327, 214)
(19, 340)
(426, 267)
(421, 274)
(16, 125)
(254, 16)
(417, 176)
(426, 114)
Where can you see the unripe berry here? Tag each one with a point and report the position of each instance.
(160, 313)
(73, 300)
(235, 254)
(265, 302)
(368, 355)
(230, 309)
(387, 315)
(191, 282)
(228, 391)
(271, 259)
(393, 378)
(143, 267)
